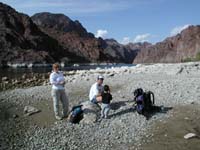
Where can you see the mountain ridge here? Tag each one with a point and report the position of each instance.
(179, 48)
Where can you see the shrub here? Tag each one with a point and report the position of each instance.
(189, 59)
(197, 57)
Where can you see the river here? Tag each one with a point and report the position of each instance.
(15, 73)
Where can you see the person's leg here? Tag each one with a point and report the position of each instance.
(106, 111)
(103, 110)
(65, 103)
(56, 97)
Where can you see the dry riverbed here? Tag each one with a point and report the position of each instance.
(174, 85)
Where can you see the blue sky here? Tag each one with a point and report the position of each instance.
(124, 20)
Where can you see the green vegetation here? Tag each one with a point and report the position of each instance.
(189, 59)
(198, 56)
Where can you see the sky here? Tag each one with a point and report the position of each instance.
(123, 20)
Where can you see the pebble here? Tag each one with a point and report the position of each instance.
(15, 116)
(190, 135)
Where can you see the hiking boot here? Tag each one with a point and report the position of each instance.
(58, 117)
(65, 115)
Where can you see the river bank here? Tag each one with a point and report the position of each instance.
(174, 85)
(21, 77)
(168, 134)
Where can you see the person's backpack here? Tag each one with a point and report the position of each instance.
(144, 101)
(76, 114)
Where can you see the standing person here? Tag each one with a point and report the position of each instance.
(96, 90)
(58, 91)
(106, 98)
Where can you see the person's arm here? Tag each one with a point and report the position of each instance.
(62, 82)
(99, 90)
(93, 92)
(99, 94)
(52, 80)
(110, 97)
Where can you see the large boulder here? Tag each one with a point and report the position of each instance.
(91, 112)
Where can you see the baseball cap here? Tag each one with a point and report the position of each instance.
(100, 77)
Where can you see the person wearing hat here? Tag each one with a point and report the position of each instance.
(58, 92)
(96, 90)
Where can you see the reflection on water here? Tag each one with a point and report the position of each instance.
(18, 72)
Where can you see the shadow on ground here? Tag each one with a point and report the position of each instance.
(118, 105)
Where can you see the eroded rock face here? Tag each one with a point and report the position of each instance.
(72, 35)
(47, 38)
(17, 34)
(173, 49)
(21, 41)
(125, 53)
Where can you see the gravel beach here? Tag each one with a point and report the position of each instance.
(174, 85)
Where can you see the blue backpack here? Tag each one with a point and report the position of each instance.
(76, 114)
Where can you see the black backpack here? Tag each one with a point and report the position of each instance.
(76, 114)
(144, 101)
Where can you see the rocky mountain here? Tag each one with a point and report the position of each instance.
(70, 34)
(47, 38)
(74, 36)
(21, 41)
(126, 53)
(182, 47)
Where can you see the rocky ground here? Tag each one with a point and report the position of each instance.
(174, 85)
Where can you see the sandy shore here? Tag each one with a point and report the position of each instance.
(174, 85)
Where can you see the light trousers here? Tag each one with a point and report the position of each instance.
(105, 108)
(60, 95)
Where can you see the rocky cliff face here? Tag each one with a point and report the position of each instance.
(126, 53)
(21, 41)
(46, 38)
(72, 35)
(182, 47)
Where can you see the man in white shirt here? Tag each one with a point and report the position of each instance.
(96, 90)
(58, 91)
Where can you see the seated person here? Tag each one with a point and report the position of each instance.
(96, 90)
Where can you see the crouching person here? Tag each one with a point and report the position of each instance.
(106, 99)
(58, 92)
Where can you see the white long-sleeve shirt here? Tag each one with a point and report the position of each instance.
(95, 90)
(55, 79)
